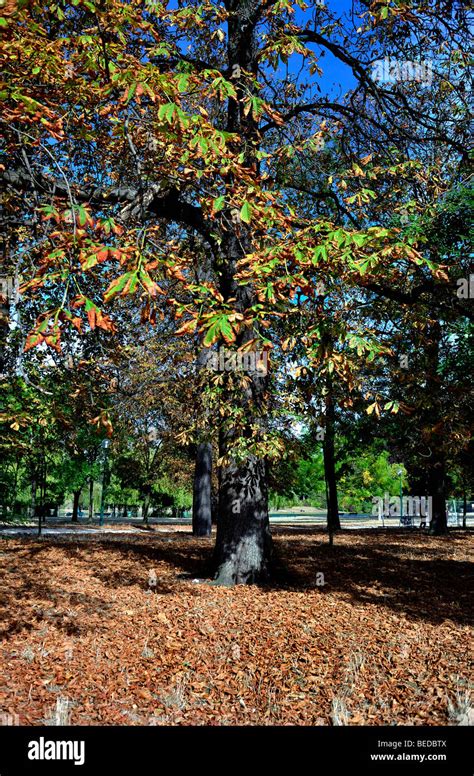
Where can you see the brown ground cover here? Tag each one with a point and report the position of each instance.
(385, 640)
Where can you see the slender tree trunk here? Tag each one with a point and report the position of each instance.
(202, 508)
(33, 497)
(145, 508)
(437, 491)
(334, 523)
(464, 508)
(75, 505)
(436, 464)
(91, 499)
(15, 486)
(43, 489)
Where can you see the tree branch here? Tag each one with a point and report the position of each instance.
(153, 200)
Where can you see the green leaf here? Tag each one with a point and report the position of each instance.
(220, 327)
(166, 112)
(131, 91)
(90, 262)
(359, 239)
(203, 145)
(246, 213)
(183, 82)
(226, 329)
(117, 286)
(212, 334)
(320, 252)
(82, 215)
(218, 204)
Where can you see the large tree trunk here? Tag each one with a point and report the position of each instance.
(75, 505)
(243, 541)
(202, 509)
(214, 506)
(334, 523)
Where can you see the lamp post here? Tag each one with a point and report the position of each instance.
(105, 447)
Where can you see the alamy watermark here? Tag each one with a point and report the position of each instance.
(403, 361)
(9, 719)
(390, 70)
(45, 749)
(402, 506)
(465, 288)
(224, 360)
(320, 580)
(8, 289)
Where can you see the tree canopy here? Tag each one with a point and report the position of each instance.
(181, 178)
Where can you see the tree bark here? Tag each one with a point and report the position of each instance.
(33, 497)
(436, 463)
(437, 491)
(75, 505)
(202, 508)
(333, 521)
(145, 507)
(15, 486)
(214, 505)
(91, 498)
(243, 541)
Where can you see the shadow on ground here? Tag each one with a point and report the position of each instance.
(408, 573)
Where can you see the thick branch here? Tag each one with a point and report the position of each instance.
(153, 200)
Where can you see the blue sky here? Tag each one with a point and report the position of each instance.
(337, 77)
